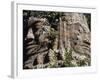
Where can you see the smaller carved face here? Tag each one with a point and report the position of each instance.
(80, 39)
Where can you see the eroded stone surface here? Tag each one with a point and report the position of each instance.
(74, 34)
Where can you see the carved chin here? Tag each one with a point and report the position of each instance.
(82, 49)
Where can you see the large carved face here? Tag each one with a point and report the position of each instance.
(35, 38)
(34, 42)
(79, 32)
(78, 37)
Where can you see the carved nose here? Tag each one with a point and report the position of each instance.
(30, 34)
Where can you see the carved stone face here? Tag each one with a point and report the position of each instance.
(80, 39)
(79, 33)
(33, 41)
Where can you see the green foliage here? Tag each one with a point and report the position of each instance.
(52, 65)
(83, 62)
(53, 61)
(79, 62)
(68, 58)
(51, 34)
